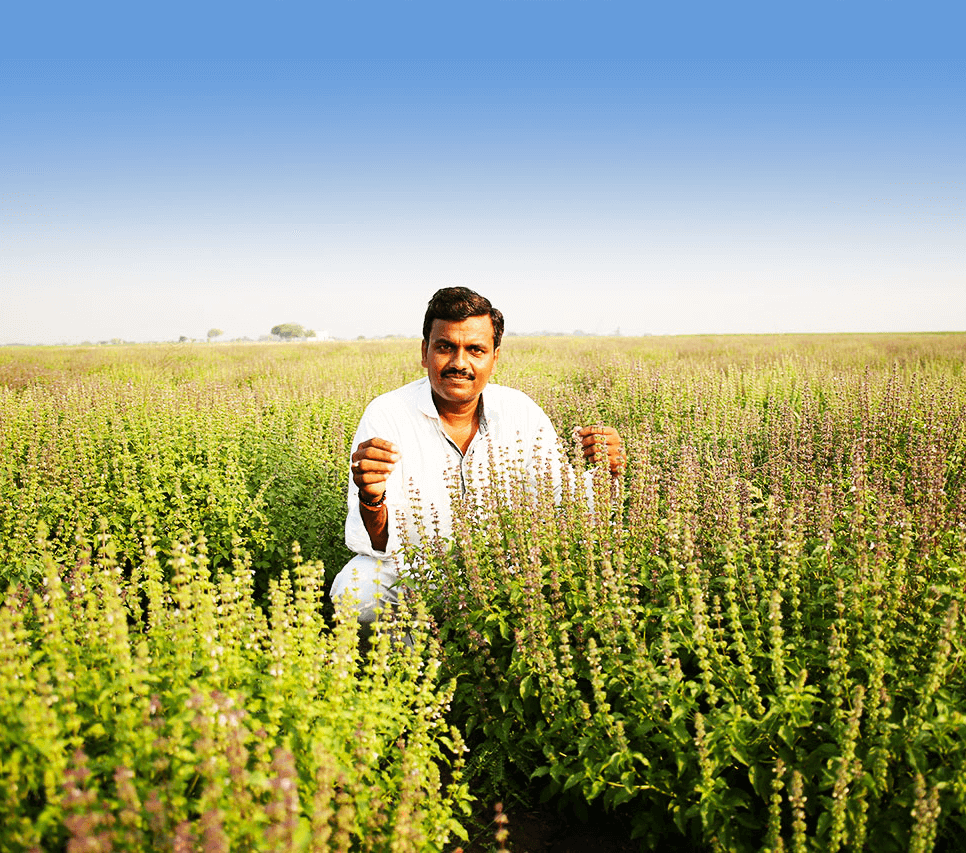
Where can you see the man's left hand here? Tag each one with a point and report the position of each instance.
(597, 440)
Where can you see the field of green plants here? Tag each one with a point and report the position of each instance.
(751, 641)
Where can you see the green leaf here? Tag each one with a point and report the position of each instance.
(573, 779)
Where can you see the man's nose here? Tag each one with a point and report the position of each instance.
(459, 357)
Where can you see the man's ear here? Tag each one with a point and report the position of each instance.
(424, 348)
(496, 355)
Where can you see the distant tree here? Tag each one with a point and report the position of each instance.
(287, 331)
(214, 333)
(183, 339)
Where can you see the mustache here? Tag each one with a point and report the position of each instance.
(459, 374)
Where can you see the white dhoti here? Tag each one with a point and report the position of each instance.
(369, 584)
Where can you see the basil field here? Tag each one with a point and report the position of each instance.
(752, 641)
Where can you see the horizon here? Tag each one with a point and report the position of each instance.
(415, 338)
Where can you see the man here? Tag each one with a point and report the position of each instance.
(414, 444)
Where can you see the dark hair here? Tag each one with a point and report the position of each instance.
(454, 304)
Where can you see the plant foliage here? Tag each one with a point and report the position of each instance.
(753, 640)
(144, 714)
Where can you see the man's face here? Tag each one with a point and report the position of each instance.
(460, 358)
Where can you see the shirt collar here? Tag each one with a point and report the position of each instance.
(425, 404)
(424, 400)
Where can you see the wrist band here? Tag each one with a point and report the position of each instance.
(373, 504)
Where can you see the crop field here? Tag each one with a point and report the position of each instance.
(753, 640)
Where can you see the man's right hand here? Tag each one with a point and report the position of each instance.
(372, 463)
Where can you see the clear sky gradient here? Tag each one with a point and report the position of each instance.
(595, 166)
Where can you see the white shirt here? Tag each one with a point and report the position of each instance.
(514, 431)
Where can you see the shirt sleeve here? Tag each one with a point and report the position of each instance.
(373, 425)
(552, 456)
(546, 456)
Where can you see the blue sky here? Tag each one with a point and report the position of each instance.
(595, 166)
